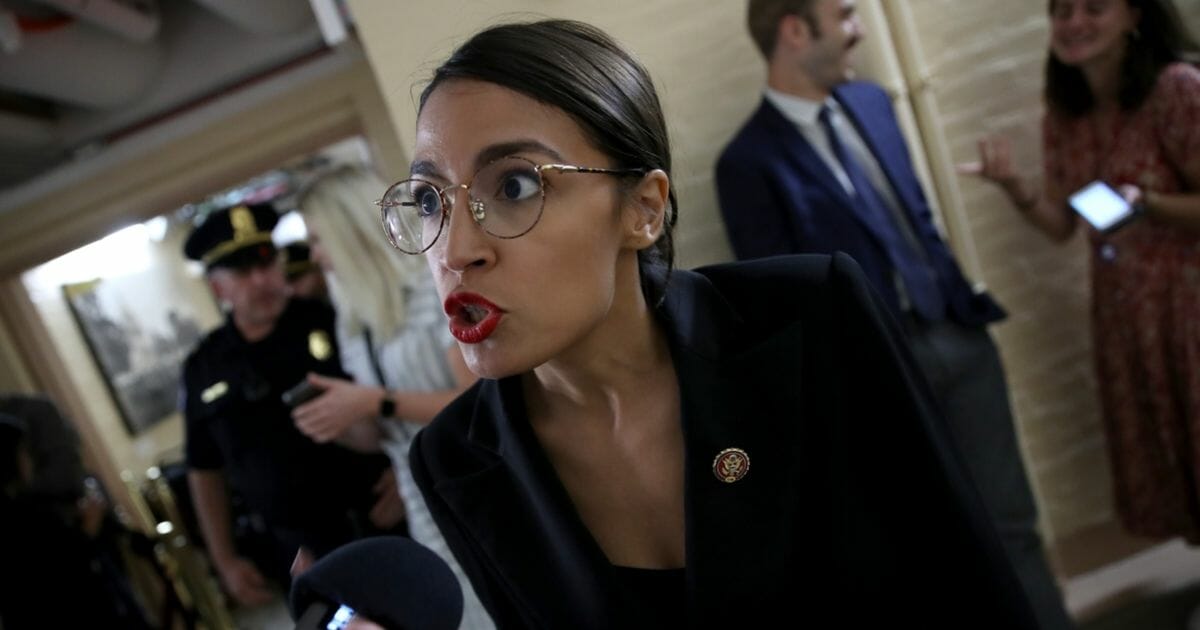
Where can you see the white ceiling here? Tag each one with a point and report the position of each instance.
(73, 85)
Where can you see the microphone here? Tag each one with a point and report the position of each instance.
(392, 581)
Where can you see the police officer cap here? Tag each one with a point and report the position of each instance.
(234, 237)
(12, 423)
(12, 432)
(298, 257)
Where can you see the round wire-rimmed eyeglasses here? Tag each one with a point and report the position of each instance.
(506, 198)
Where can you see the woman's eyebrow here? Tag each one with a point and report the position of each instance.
(491, 153)
(426, 168)
(505, 149)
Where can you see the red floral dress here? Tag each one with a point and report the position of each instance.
(1145, 301)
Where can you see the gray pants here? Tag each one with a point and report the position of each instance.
(963, 367)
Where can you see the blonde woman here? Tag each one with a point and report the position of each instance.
(394, 342)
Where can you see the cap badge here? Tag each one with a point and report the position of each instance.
(319, 346)
(242, 220)
(731, 465)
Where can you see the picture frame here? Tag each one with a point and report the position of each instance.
(138, 336)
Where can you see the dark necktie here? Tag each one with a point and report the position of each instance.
(920, 283)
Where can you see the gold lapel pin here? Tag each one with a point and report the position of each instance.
(319, 345)
(731, 465)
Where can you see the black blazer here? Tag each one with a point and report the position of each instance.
(855, 511)
(778, 197)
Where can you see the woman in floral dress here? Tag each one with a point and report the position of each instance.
(1123, 106)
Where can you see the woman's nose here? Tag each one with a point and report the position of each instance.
(1074, 18)
(463, 243)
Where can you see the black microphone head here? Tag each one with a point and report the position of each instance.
(393, 581)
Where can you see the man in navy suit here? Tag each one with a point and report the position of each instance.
(822, 166)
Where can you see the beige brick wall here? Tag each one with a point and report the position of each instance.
(984, 59)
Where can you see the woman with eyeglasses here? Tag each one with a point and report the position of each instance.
(658, 448)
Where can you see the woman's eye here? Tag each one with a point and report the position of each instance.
(518, 187)
(428, 202)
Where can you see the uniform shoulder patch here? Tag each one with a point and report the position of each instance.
(214, 391)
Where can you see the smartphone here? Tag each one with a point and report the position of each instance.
(322, 616)
(341, 618)
(1104, 208)
(301, 393)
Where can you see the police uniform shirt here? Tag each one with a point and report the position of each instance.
(237, 421)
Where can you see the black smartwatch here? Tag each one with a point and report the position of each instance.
(387, 407)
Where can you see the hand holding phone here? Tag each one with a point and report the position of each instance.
(301, 393)
(322, 616)
(1103, 207)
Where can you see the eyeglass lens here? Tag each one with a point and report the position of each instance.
(504, 198)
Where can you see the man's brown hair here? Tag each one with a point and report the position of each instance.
(763, 17)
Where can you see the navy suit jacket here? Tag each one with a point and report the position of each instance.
(778, 197)
(855, 512)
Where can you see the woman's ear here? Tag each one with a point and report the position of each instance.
(646, 210)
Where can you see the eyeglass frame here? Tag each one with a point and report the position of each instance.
(447, 203)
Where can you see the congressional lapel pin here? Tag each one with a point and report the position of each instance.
(319, 346)
(214, 391)
(731, 465)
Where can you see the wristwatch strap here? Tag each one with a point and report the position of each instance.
(387, 407)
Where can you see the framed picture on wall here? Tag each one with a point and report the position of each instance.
(139, 338)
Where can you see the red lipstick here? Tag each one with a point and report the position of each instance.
(472, 317)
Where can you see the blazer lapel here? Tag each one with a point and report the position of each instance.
(733, 526)
(806, 158)
(522, 518)
(801, 154)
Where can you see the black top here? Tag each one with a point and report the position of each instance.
(654, 598)
(58, 470)
(236, 421)
(53, 576)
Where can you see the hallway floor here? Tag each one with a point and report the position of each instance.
(1156, 589)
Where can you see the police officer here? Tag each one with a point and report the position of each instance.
(304, 275)
(238, 428)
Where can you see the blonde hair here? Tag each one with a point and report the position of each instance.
(372, 278)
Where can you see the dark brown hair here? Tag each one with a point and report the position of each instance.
(763, 16)
(579, 69)
(1158, 40)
